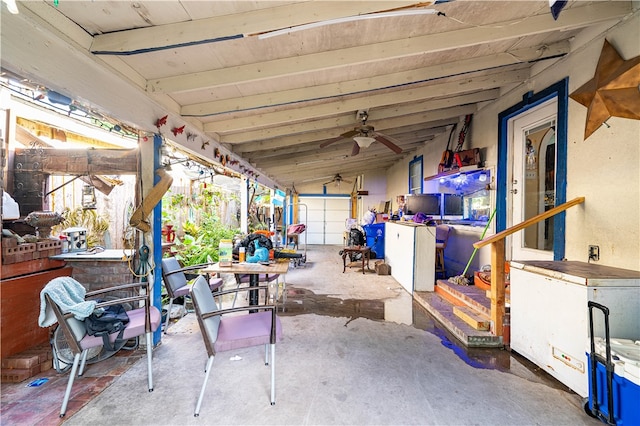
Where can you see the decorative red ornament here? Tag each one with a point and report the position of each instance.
(177, 130)
(161, 121)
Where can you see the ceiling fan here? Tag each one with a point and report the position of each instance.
(337, 179)
(363, 136)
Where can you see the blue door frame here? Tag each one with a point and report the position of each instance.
(530, 100)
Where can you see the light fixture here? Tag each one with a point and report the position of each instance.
(11, 6)
(409, 12)
(88, 197)
(364, 141)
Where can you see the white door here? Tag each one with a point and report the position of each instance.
(532, 183)
(325, 219)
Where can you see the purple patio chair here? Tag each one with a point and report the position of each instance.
(223, 332)
(177, 285)
(142, 321)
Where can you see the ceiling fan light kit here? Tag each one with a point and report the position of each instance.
(363, 141)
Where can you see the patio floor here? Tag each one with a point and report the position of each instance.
(356, 350)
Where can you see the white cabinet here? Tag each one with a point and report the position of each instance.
(550, 317)
(410, 250)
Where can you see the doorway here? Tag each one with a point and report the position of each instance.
(531, 173)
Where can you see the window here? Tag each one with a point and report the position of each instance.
(415, 175)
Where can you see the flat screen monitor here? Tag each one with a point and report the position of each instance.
(453, 206)
(428, 204)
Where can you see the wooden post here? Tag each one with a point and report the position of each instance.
(497, 286)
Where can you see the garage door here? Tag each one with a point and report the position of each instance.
(325, 217)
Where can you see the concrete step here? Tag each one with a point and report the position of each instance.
(442, 311)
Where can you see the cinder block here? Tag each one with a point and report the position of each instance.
(20, 248)
(48, 245)
(21, 361)
(12, 375)
(43, 354)
(9, 242)
(17, 375)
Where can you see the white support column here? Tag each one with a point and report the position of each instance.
(244, 205)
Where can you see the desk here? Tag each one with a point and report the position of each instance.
(253, 269)
(365, 251)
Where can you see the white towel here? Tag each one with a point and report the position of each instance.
(68, 294)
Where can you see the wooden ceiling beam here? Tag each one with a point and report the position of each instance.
(349, 162)
(339, 153)
(376, 117)
(370, 101)
(428, 119)
(234, 25)
(572, 18)
(90, 161)
(403, 78)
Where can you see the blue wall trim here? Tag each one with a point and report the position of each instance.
(157, 240)
(531, 100)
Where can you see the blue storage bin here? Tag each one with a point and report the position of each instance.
(375, 239)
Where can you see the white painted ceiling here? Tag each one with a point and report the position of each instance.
(270, 102)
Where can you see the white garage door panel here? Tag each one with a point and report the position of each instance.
(337, 203)
(316, 216)
(325, 219)
(336, 216)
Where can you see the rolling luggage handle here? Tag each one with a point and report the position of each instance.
(595, 411)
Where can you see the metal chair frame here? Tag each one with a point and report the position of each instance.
(80, 345)
(207, 309)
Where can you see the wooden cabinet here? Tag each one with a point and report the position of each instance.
(410, 250)
(21, 308)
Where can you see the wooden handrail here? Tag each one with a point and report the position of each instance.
(497, 243)
(538, 218)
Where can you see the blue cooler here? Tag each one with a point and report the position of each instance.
(625, 386)
(375, 239)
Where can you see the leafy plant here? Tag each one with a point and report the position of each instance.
(198, 248)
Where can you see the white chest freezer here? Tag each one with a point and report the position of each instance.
(550, 317)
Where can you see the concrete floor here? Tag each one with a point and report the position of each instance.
(356, 350)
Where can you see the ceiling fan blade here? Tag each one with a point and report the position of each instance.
(346, 135)
(330, 141)
(387, 141)
(356, 149)
(350, 133)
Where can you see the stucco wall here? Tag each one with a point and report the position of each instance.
(603, 168)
